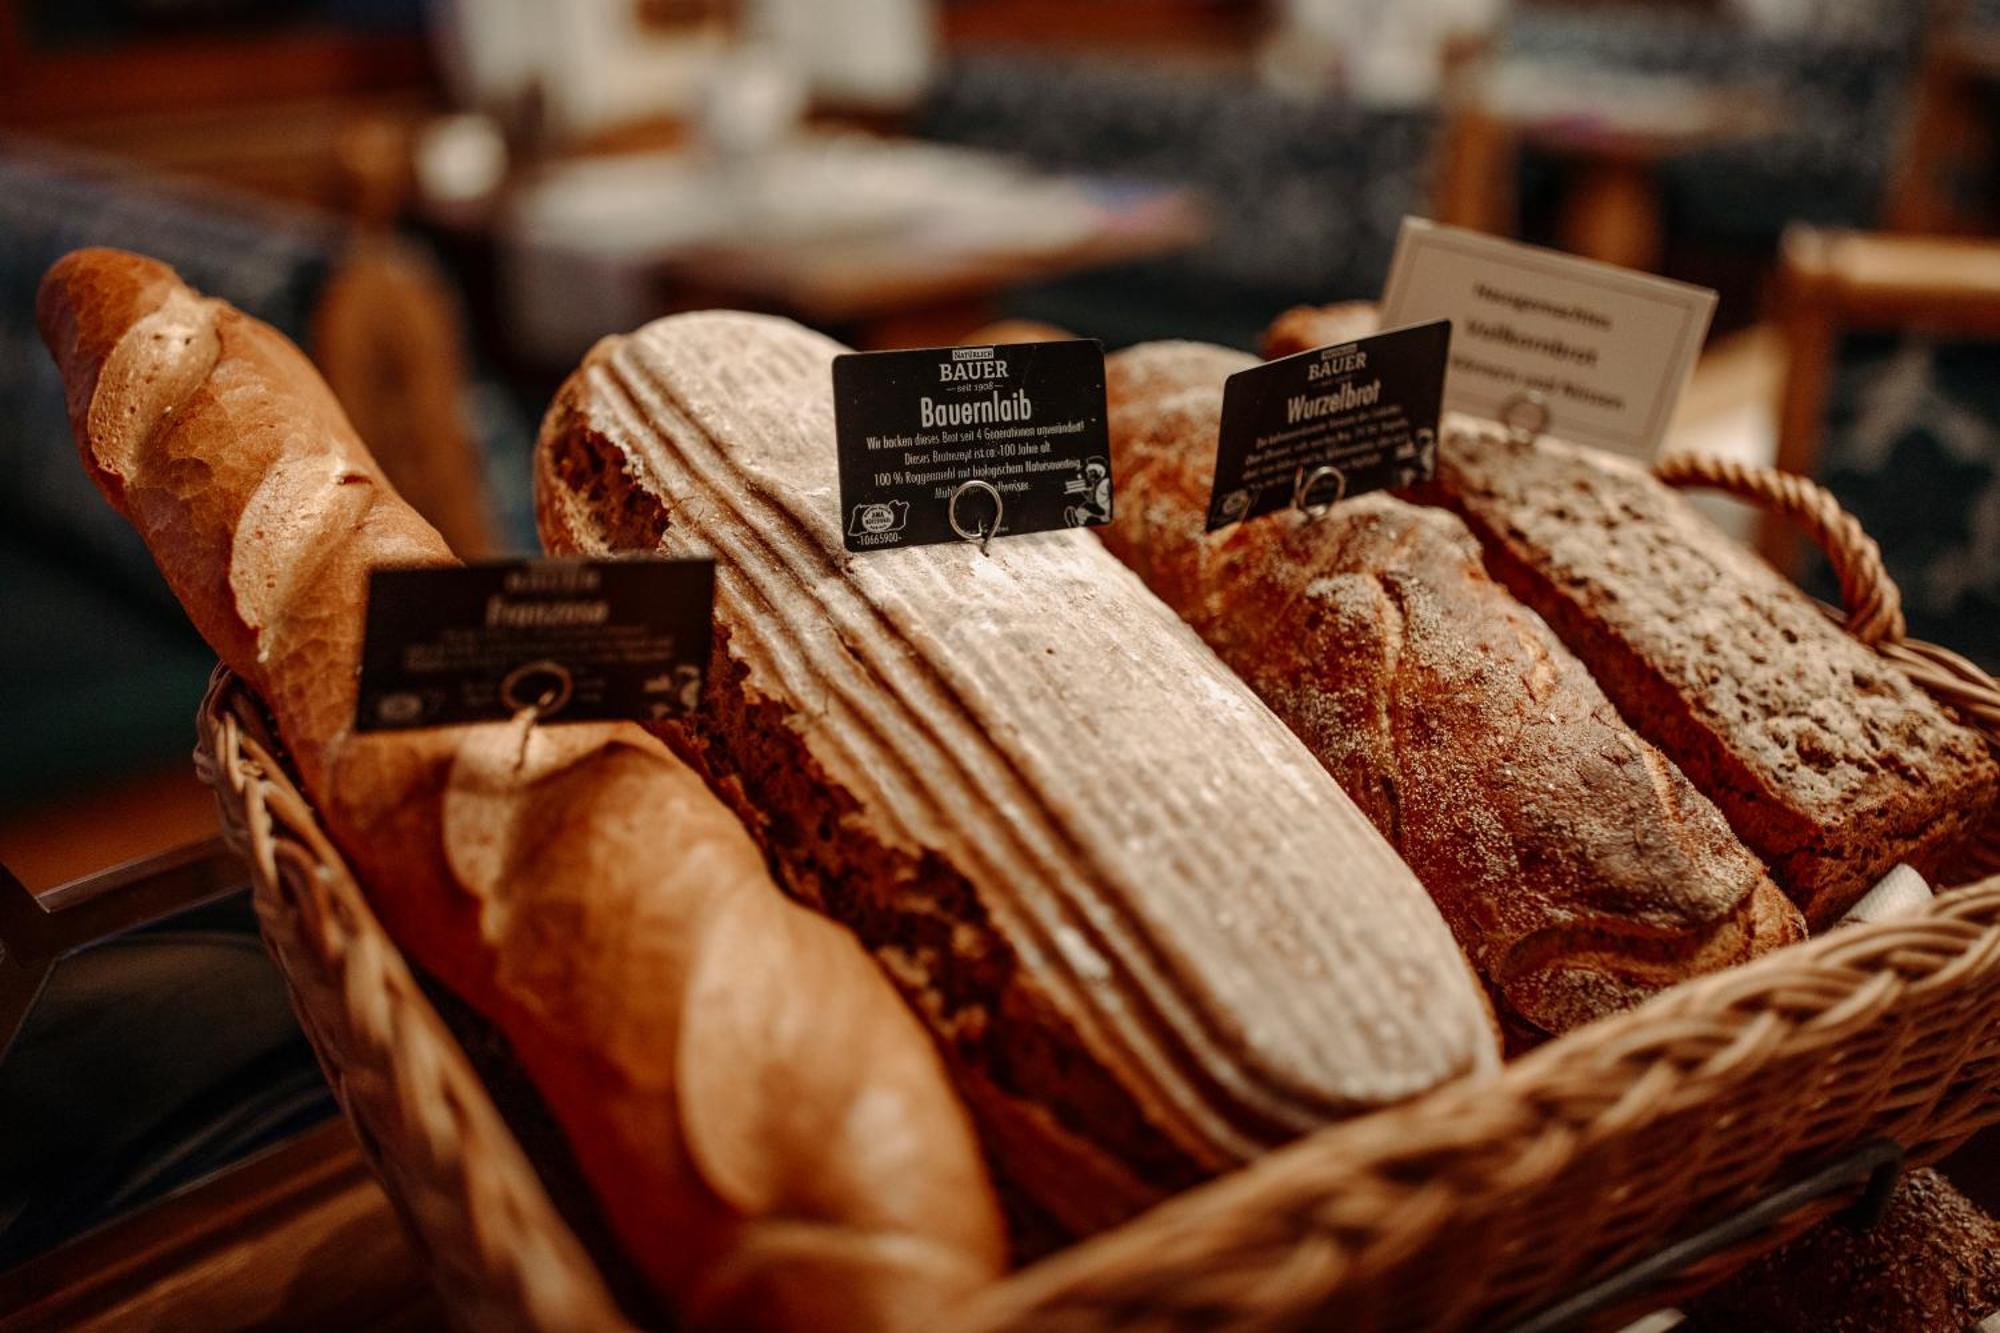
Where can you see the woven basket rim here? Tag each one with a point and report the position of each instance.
(1359, 1194)
(495, 1243)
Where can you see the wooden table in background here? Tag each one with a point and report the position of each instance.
(1612, 145)
(918, 243)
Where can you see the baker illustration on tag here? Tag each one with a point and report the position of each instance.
(875, 519)
(682, 686)
(1418, 457)
(1094, 486)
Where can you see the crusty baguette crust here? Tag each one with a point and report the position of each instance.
(769, 1134)
(1579, 869)
(1826, 760)
(1151, 934)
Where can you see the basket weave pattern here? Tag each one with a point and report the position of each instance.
(502, 1258)
(1466, 1209)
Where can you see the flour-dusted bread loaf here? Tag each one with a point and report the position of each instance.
(770, 1137)
(1153, 937)
(1580, 871)
(1829, 763)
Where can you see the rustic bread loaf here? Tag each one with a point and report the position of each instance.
(1305, 327)
(770, 1136)
(1152, 936)
(1826, 760)
(1580, 871)
(1931, 1265)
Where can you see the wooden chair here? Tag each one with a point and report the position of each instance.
(1835, 285)
(1950, 131)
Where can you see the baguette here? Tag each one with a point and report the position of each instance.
(768, 1134)
(1152, 936)
(1580, 871)
(1826, 760)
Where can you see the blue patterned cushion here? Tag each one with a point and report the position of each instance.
(271, 262)
(1913, 450)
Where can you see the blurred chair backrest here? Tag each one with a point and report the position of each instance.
(1892, 398)
(107, 669)
(386, 336)
(1945, 172)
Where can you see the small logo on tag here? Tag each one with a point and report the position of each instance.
(872, 520)
(682, 686)
(399, 709)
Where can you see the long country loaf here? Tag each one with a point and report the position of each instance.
(1826, 760)
(1580, 871)
(770, 1137)
(1151, 935)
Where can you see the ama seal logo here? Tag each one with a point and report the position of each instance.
(875, 520)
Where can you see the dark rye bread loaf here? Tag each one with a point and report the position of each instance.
(1150, 933)
(1827, 761)
(1930, 1265)
(1580, 871)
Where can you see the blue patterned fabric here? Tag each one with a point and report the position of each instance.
(105, 671)
(1912, 448)
(1305, 194)
(271, 262)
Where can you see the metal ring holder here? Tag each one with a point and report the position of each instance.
(1511, 413)
(983, 534)
(1302, 486)
(551, 699)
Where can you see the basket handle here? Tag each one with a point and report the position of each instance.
(1874, 604)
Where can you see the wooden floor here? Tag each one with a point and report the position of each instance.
(301, 1238)
(73, 836)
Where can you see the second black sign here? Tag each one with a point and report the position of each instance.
(1330, 423)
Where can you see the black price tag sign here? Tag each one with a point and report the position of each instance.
(577, 640)
(1330, 423)
(938, 442)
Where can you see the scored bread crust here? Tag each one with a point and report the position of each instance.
(1579, 869)
(1825, 759)
(770, 1136)
(1151, 936)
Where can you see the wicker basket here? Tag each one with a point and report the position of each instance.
(1479, 1206)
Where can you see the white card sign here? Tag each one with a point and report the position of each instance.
(1608, 349)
